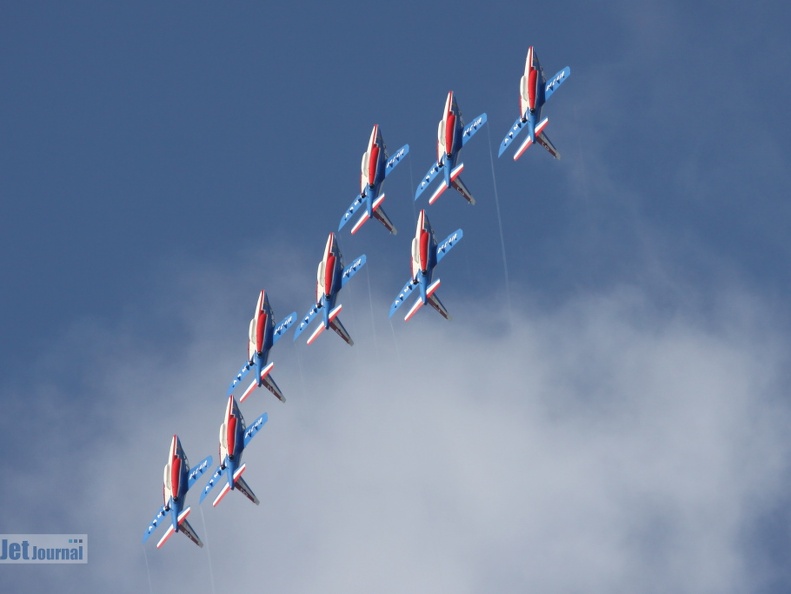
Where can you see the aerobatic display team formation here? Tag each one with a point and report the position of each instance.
(332, 276)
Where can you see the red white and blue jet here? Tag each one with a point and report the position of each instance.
(376, 166)
(534, 91)
(234, 438)
(426, 254)
(331, 277)
(452, 135)
(262, 335)
(178, 479)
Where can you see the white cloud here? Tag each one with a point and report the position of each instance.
(601, 445)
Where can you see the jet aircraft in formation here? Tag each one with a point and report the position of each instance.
(376, 166)
(234, 438)
(452, 135)
(178, 479)
(534, 92)
(426, 254)
(262, 336)
(332, 276)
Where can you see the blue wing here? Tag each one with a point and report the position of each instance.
(512, 134)
(306, 320)
(403, 295)
(429, 177)
(472, 128)
(395, 160)
(358, 201)
(212, 481)
(240, 376)
(284, 325)
(447, 244)
(253, 429)
(162, 513)
(197, 471)
(351, 270)
(555, 82)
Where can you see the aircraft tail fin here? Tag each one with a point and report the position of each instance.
(544, 141)
(379, 215)
(434, 302)
(462, 189)
(242, 485)
(335, 324)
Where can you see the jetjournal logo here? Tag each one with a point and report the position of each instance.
(43, 548)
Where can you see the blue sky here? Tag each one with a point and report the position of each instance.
(615, 420)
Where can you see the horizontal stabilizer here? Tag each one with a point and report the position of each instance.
(420, 303)
(254, 384)
(413, 310)
(529, 140)
(438, 192)
(221, 495)
(360, 222)
(316, 333)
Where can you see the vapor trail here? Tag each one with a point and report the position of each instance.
(499, 222)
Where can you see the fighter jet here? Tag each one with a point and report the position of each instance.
(452, 135)
(177, 481)
(234, 438)
(331, 277)
(376, 166)
(426, 254)
(262, 336)
(534, 91)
